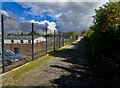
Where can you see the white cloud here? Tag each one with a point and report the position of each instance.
(70, 15)
(33, 21)
(58, 15)
(51, 25)
(4, 12)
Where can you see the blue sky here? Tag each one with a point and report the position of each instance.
(67, 16)
(19, 11)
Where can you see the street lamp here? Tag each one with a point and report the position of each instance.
(78, 28)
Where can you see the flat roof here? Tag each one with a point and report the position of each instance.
(21, 37)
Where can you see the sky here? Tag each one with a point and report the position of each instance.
(63, 15)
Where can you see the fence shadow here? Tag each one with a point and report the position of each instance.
(84, 72)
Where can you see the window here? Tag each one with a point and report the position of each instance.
(29, 41)
(12, 41)
(21, 41)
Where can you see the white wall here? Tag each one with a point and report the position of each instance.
(16, 41)
(7, 41)
(40, 39)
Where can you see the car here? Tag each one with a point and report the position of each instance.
(8, 54)
(6, 61)
(0, 62)
(14, 57)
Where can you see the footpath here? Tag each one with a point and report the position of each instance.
(71, 67)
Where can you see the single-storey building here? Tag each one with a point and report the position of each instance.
(23, 44)
(22, 39)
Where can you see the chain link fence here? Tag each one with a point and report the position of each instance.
(24, 41)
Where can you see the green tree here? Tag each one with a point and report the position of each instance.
(105, 33)
(34, 32)
(107, 17)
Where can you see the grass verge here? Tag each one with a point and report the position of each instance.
(15, 76)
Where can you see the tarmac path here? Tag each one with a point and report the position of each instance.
(72, 67)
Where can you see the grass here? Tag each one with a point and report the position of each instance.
(15, 76)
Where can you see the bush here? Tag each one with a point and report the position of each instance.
(104, 35)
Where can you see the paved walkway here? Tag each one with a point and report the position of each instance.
(72, 67)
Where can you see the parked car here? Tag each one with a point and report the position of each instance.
(14, 57)
(8, 54)
(0, 62)
(6, 61)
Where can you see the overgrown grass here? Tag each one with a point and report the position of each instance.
(15, 76)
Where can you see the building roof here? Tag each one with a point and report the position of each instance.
(21, 37)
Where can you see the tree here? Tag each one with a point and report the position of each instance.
(107, 18)
(105, 33)
(69, 34)
(34, 32)
(22, 33)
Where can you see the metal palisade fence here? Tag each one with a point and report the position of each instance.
(24, 41)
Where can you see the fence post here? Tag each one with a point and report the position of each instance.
(54, 40)
(46, 40)
(32, 41)
(2, 31)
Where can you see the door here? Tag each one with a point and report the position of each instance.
(16, 50)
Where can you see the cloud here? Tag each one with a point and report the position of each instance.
(59, 0)
(70, 15)
(13, 26)
(50, 25)
(4, 12)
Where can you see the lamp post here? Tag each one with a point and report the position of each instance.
(59, 39)
(78, 28)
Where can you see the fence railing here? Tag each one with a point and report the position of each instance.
(23, 42)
